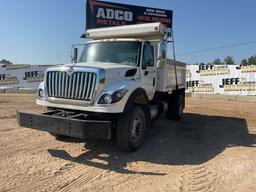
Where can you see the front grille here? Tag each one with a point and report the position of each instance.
(77, 86)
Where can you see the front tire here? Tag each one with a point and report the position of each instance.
(131, 129)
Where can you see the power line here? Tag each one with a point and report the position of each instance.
(217, 48)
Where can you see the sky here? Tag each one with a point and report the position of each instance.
(42, 31)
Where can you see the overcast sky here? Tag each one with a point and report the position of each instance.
(42, 31)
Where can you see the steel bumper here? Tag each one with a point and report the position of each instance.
(77, 128)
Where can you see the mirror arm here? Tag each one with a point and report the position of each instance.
(74, 55)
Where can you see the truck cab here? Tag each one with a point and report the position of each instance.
(120, 81)
(135, 56)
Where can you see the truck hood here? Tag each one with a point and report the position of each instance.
(112, 70)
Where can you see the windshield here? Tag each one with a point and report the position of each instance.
(121, 52)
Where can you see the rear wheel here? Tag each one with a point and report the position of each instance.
(175, 106)
(131, 129)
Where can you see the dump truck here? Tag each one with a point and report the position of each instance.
(117, 83)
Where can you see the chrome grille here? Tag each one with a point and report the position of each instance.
(77, 86)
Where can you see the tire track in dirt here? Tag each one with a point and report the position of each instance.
(79, 184)
(29, 148)
(38, 144)
(19, 163)
(37, 149)
(118, 181)
(69, 177)
(132, 177)
(198, 179)
(128, 181)
(28, 172)
(49, 180)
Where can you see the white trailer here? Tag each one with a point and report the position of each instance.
(121, 81)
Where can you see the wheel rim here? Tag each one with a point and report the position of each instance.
(137, 129)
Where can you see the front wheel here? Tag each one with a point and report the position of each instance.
(131, 129)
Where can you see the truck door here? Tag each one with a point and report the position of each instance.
(148, 72)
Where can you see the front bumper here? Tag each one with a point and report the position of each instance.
(77, 128)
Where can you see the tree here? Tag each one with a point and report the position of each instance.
(244, 62)
(4, 61)
(217, 62)
(252, 60)
(229, 60)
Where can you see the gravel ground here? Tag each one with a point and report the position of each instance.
(211, 149)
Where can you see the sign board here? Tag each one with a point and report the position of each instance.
(21, 76)
(222, 79)
(105, 14)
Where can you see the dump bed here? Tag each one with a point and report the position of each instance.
(166, 76)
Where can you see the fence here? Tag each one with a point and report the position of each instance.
(21, 76)
(221, 79)
(210, 79)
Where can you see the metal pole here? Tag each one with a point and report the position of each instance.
(174, 60)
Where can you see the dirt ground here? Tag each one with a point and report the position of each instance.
(211, 149)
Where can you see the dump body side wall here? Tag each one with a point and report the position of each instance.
(166, 76)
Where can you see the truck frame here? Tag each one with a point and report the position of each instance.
(122, 81)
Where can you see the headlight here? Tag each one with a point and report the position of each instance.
(41, 93)
(108, 99)
(119, 95)
(114, 97)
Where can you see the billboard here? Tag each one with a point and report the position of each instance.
(105, 14)
(221, 79)
(21, 76)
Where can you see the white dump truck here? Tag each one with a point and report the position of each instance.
(121, 81)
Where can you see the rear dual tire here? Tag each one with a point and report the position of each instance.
(175, 106)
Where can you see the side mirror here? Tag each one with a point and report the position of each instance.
(162, 49)
(74, 55)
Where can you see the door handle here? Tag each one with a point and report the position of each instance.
(146, 73)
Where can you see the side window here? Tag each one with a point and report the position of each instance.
(148, 56)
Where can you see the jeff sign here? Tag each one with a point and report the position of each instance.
(105, 14)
